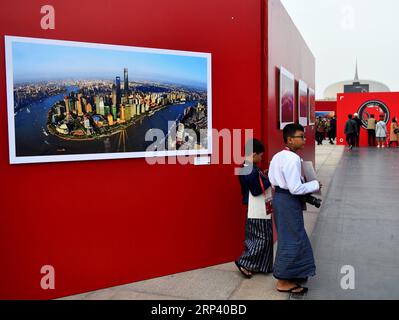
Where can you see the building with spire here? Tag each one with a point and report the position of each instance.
(355, 85)
(125, 81)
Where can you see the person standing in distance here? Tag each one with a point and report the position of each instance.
(350, 131)
(381, 132)
(294, 261)
(371, 123)
(359, 126)
(333, 130)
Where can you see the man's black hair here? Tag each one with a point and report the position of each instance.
(254, 146)
(350, 116)
(290, 130)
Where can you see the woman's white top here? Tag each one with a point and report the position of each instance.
(381, 129)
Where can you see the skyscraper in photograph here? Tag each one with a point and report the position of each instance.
(114, 112)
(114, 96)
(97, 103)
(67, 107)
(79, 105)
(122, 113)
(118, 90)
(126, 81)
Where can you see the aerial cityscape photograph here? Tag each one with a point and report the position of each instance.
(60, 108)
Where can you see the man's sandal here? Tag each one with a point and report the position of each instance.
(292, 290)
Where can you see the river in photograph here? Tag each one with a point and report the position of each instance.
(33, 139)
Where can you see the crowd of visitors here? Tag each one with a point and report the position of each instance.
(377, 131)
(326, 128)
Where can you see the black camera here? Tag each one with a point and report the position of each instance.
(308, 198)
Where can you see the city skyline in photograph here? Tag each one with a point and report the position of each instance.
(86, 101)
(38, 62)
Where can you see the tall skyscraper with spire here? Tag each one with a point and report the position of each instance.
(126, 81)
(118, 90)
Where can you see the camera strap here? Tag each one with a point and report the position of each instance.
(268, 199)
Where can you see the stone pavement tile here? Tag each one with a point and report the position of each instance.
(331, 162)
(355, 212)
(328, 227)
(198, 284)
(104, 294)
(378, 228)
(326, 284)
(131, 295)
(375, 246)
(310, 219)
(327, 169)
(259, 287)
(230, 266)
(327, 247)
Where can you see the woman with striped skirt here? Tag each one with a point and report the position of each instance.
(255, 188)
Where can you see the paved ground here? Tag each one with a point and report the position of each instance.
(359, 226)
(224, 282)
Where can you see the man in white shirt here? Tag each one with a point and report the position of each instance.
(294, 261)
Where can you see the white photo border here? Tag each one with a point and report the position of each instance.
(284, 72)
(311, 92)
(302, 91)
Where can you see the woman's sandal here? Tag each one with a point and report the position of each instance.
(241, 268)
(304, 290)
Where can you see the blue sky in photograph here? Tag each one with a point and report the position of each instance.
(37, 62)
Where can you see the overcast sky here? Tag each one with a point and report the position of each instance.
(339, 31)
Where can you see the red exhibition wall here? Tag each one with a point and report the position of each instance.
(155, 220)
(350, 103)
(286, 48)
(326, 106)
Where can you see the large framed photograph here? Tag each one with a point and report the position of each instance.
(70, 101)
(303, 103)
(312, 106)
(287, 91)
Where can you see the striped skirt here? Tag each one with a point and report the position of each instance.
(258, 251)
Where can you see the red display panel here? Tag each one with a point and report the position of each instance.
(365, 104)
